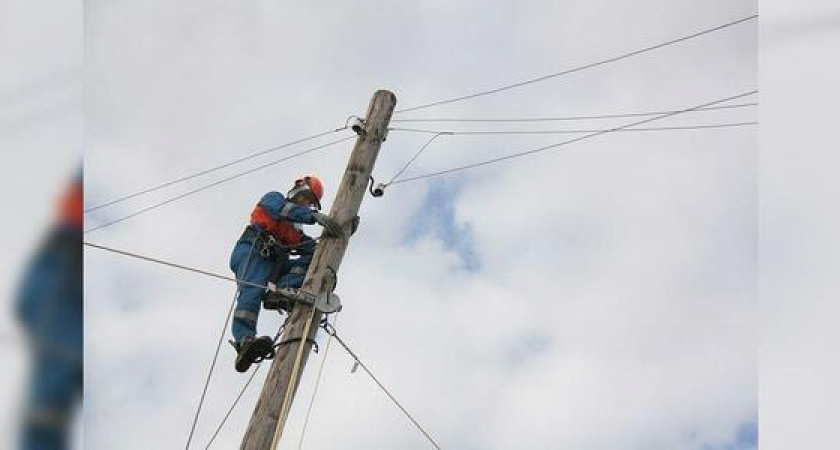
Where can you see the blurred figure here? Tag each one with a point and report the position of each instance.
(49, 309)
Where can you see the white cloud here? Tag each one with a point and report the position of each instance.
(614, 305)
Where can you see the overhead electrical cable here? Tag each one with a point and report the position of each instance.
(573, 131)
(560, 118)
(567, 142)
(212, 169)
(216, 183)
(330, 329)
(173, 265)
(245, 387)
(218, 346)
(414, 158)
(233, 406)
(580, 68)
(216, 353)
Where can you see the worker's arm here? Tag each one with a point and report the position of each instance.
(279, 208)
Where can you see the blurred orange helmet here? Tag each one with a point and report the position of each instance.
(309, 184)
(71, 205)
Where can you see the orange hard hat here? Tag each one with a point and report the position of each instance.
(311, 185)
(314, 183)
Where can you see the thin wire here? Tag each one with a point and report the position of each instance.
(203, 272)
(330, 329)
(216, 183)
(233, 406)
(567, 118)
(242, 391)
(218, 348)
(212, 169)
(170, 264)
(567, 142)
(315, 390)
(416, 155)
(578, 131)
(580, 68)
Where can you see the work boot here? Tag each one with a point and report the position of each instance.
(251, 350)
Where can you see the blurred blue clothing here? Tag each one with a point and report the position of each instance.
(49, 299)
(49, 306)
(55, 388)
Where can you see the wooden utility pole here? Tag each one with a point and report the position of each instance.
(279, 389)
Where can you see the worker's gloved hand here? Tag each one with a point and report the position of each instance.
(331, 227)
(354, 225)
(270, 287)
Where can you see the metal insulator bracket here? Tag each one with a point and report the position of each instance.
(327, 302)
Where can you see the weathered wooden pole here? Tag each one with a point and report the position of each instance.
(269, 417)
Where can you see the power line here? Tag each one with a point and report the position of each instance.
(416, 155)
(216, 183)
(174, 265)
(577, 131)
(330, 329)
(564, 118)
(567, 142)
(212, 169)
(218, 348)
(210, 372)
(233, 406)
(245, 387)
(221, 338)
(327, 327)
(224, 329)
(580, 68)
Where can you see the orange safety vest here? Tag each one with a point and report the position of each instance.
(282, 230)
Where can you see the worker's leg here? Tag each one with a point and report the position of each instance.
(280, 268)
(54, 390)
(249, 266)
(295, 272)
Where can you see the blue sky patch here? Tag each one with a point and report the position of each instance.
(746, 438)
(436, 218)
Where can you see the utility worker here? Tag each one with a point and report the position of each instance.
(49, 309)
(262, 256)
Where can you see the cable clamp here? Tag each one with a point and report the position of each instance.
(328, 328)
(283, 298)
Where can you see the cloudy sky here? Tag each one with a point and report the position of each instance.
(798, 242)
(597, 296)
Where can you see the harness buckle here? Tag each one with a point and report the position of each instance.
(267, 244)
